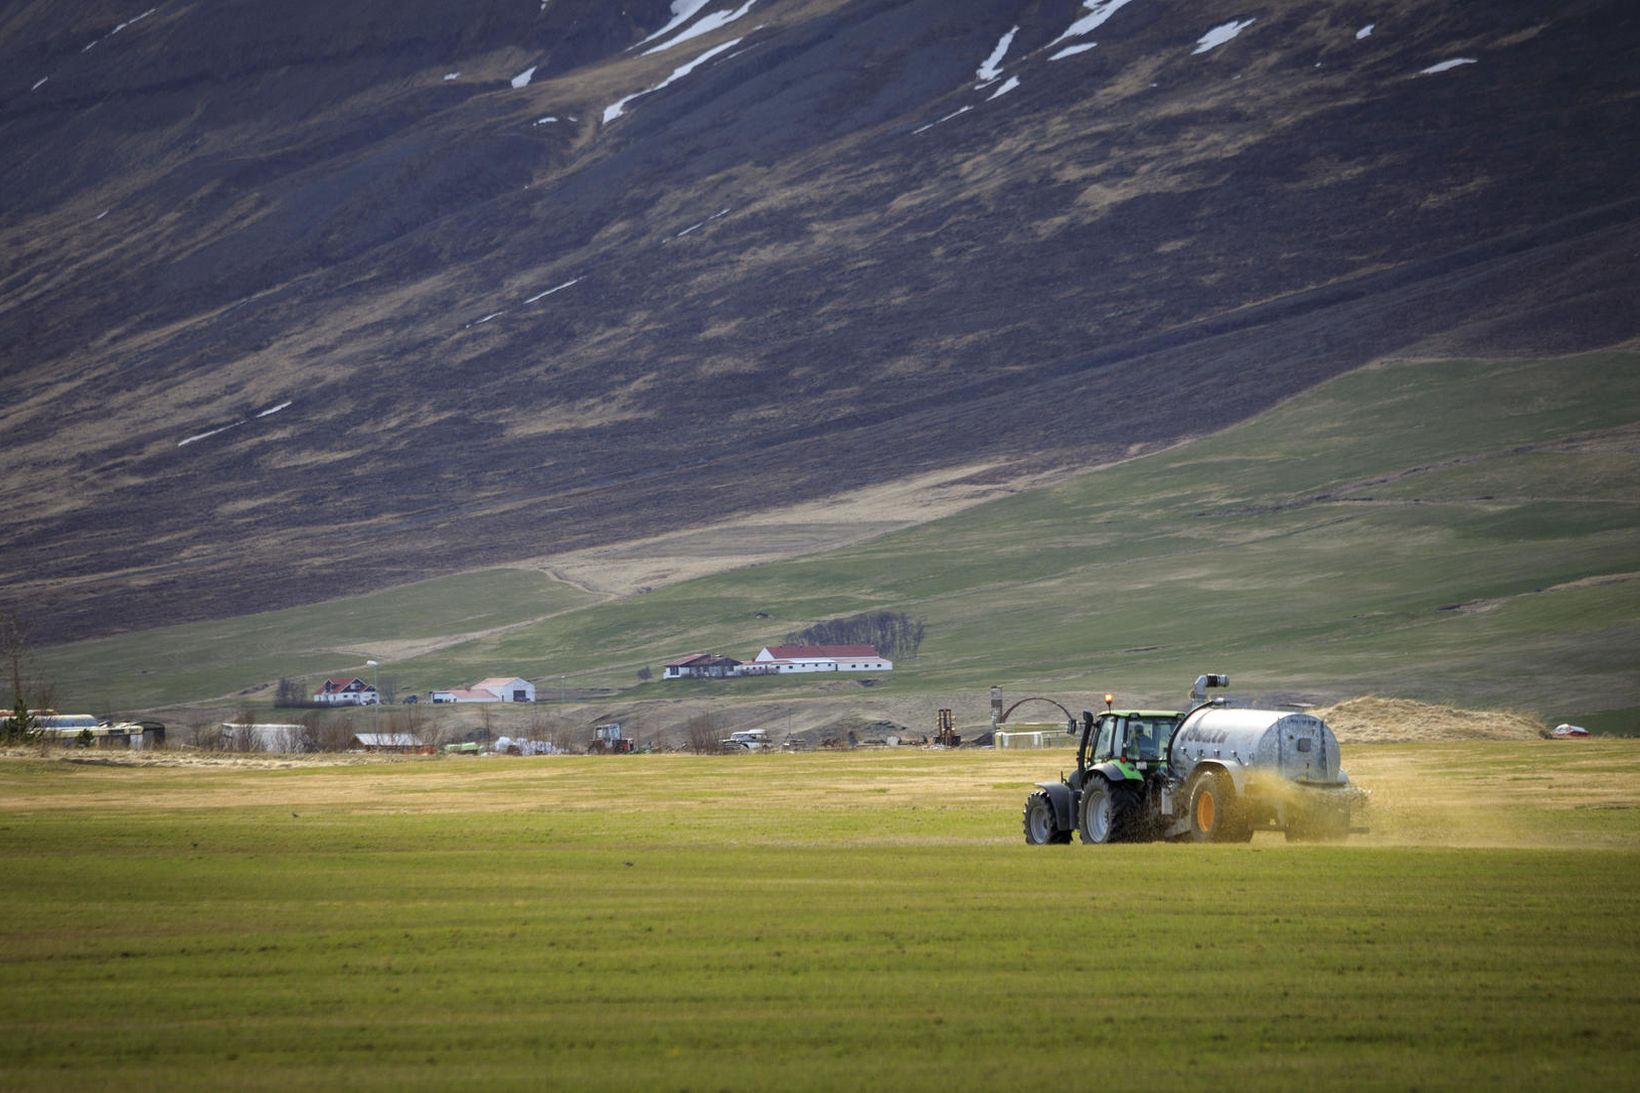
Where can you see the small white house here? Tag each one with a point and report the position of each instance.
(463, 694)
(702, 666)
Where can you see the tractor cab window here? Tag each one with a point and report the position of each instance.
(1148, 738)
(1142, 739)
(1102, 749)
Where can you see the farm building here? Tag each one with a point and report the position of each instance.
(494, 689)
(346, 691)
(701, 666)
(461, 694)
(820, 658)
(402, 742)
(507, 690)
(73, 730)
(284, 739)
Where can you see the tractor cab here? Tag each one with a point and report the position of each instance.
(1137, 739)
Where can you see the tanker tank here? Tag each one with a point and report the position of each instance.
(1297, 746)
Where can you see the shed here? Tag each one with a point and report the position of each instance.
(384, 741)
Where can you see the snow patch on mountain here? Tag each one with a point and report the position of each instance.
(1101, 11)
(1365, 32)
(714, 21)
(617, 108)
(523, 78)
(1071, 51)
(550, 291)
(992, 68)
(452, 75)
(201, 436)
(116, 30)
(41, 82)
(1447, 66)
(682, 12)
(271, 410)
(1221, 34)
(953, 114)
(1013, 82)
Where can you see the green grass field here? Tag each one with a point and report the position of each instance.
(807, 921)
(1453, 531)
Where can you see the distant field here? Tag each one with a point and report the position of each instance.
(1454, 531)
(806, 921)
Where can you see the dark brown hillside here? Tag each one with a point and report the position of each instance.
(287, 312)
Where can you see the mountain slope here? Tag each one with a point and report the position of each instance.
(305, 299)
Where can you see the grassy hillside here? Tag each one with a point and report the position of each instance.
(1445, 530)
(178, 663)
(1456, 531)
(804, 922)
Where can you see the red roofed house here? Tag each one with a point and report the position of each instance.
(346, 691)
(701, 666)
(820, 658)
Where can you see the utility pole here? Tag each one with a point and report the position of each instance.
(375, 683)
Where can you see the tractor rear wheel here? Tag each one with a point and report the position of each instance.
(1215, 813)
(1136, 825)
(1041, 825)
(1109, 812)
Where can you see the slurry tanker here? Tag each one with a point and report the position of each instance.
(1214, 773)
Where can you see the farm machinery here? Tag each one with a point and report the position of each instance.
(1214, 773)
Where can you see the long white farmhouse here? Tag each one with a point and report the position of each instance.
(817, 658)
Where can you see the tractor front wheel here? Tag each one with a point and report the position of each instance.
(1215, 813)
(1041, 825)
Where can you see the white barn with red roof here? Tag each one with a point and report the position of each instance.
(493, 689)
(819, 658)
(514, 689)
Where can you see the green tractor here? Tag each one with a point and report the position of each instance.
(1121, 768)
(1216, 773)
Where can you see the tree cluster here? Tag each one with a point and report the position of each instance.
(893, 634)
(291, 694)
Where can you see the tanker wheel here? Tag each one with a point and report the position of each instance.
(1107, 813)
(1041, 825)
(1215, 816)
